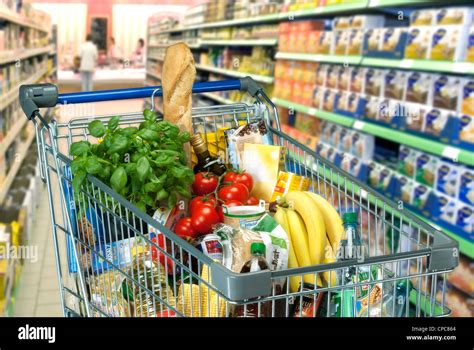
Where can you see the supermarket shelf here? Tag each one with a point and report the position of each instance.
(218, 98)
(260, 78)
(351, 60)
(423, 65)
(23, 54)
(11, 95)
(154, 75)
(411, 140)
(276, 17)
(12, 133)
(5, 186)
(13, 17)
(242, 42)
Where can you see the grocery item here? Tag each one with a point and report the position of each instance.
(415, 116)
(326, 43)
(454, 16)
(211, 246)
(367, 21)
(205, 162)
(357, 80)
(310, 305)
(423, 17)
(470, 45)
(395, 84)
(420, 196)
(243, 216)
(407, 187)
(466, 185)
(435, 121)
(264, 163)
(407, 161)
(355, 42)
(446, 208)
(178, 78)
(446, 92)
(393, 41)
(256, 263)
(106, 295)
(426, 166)
(236, 138)
(467, 128)
(289, 182)
(167, 217)
(419, 88)
(464, 217)
(341, 40)
(418, 43)
(448, 43)
(203, 219)
(467, 97)
(447, 178)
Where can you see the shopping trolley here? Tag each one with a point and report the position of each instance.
(117, 275)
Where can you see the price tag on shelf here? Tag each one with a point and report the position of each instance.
(406, 64)
(358, 125)
(374, 3)
(451, 152)
(318, 9)
(312, 111)
(462, 67)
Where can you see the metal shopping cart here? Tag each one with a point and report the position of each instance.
(117, 276)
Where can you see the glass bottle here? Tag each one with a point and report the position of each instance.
(206, 162)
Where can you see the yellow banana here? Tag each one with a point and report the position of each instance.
(281, 218)
(332, 220)
(314, 222)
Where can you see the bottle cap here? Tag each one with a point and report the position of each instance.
(258, 248)
(350, 217)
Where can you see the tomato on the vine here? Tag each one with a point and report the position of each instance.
(204, 218)
(252, 201)
(237, 177)
(204, 183)
(235, 191)
(185, 229)
(197, 201)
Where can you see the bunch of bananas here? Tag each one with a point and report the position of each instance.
(315, 230)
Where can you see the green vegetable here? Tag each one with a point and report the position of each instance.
(145, 164)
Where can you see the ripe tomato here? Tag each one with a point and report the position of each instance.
(239, 178)
(236, 191)
(166, 313)
(158, 255)
(204, 183)
(203, 218)
(231, 203)
(197, 201)
(184, 228)
(252, 201)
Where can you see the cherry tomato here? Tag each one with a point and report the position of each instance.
(166, 313)
(158, 255)
(236, 191)
(197, 201)
(231, 203)
(204, 183)
(184, 228)
(203, 218)
(239, 178)
(252, 201)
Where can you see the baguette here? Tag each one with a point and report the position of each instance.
(178, 77)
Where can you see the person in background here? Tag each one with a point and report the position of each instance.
(89, 57)
(114, 54)
(139, 53)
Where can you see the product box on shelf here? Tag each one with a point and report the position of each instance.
(446, 92)
(329, 99)
(436, 120)
(455, 16)
(354, 166)
(448, 43)
(374, 82)
(395, 84)
(363, 146)
(326, 43)
(414, 114)
(418, 43)
(424, 17)
(332, 77)
(426, 166)
(466, 185)
(318, 94)
(341, 41)
(419, 88)
(357, 80)
(464, 218)
(308, 124)
(385, 42)
(321, 75)
(420, 199)
(447, 178)
(466, 130)
(404, 189)
(355, 42)
(371, 107)
(467, 97)
(407, 161)
(470, 45)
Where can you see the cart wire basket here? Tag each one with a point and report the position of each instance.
(104, 257)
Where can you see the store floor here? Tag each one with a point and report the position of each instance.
(38, 290)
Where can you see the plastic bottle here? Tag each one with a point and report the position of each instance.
(255, 264)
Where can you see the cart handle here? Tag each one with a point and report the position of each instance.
(35, 96)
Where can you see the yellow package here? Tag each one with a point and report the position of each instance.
(470, 46)
(418, 43)
(467, 97)
(467, 129)
(264, 163)
(448, 43)
(289, 182)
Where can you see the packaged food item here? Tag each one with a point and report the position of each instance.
(211, 246)
(363, 146)
(297, 92)
(309, 72)
(334, 133)
(328, 100)
(426, 166)
(341, 40)
(386, 110)
(105, 295)
(344, 78)
(357, 80)
(466, 186)
(395, 84)
(355, 42)
(446, 207)
(371, 110)
(321, 75)
(346, 140)
(455, 16)
(407, 187)
(407, 161)
(367, 21)
(447, 178)
(310, 305)
(289, 182)
(418, 43)
(332, 77)
(422, 18)
(117, 253)
(355, 105)
(236, 138)
(374, 82)
(467, 128)
(313, 38)
(243, 216)
(373, 39)
(420, 196)
(393, 41)
(318, 94)
(470, 45)
(168, 217)
(264, 163)
(448, 43)
(464, 217)
(419, 88)
(292, 42)
(415, 116)
(326, 43)
(342, 98)
(436, 120)
(308, 124)
(374, 170)
(446, 92)
(341, 23)
(467, 97)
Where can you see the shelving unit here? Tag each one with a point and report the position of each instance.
(9, 56)
(11, 16)
(241, 42)
(260, 78)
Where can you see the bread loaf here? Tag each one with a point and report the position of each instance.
(178, 77)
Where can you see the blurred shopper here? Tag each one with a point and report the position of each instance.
(139, 53)
(114, 53)
(89, 57)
